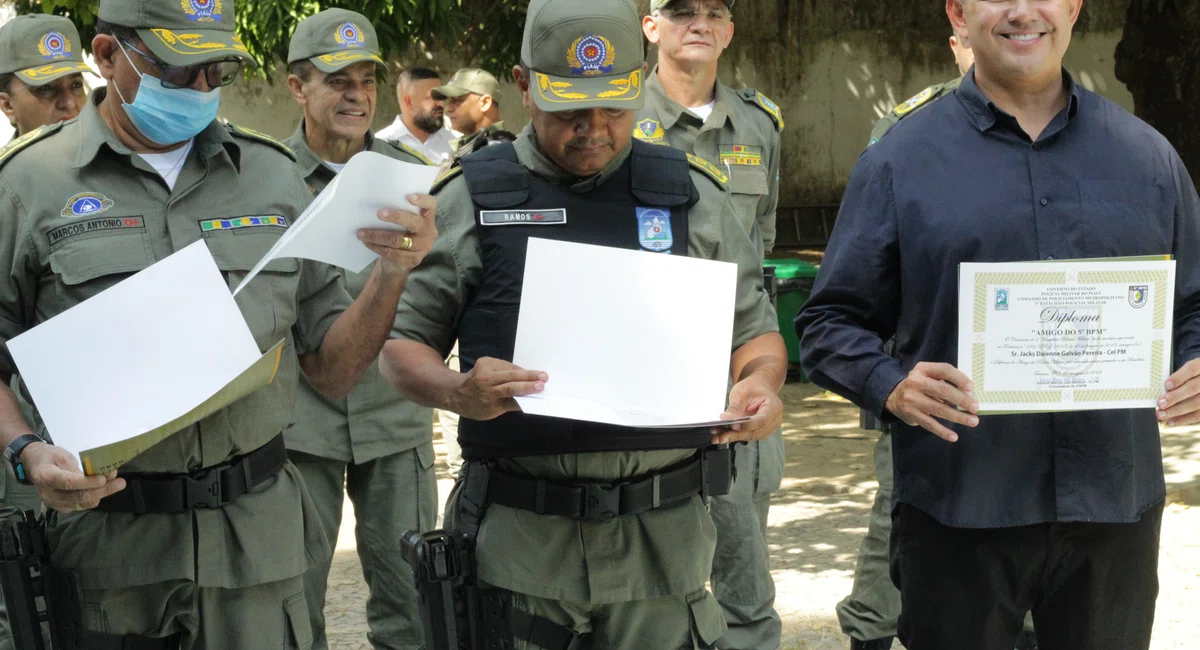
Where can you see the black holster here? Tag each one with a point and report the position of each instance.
(36, 594)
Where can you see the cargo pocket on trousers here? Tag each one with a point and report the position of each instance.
(708, 622)
(297, 632)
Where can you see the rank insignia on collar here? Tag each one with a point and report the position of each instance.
(86, 204)
(654, 229)
(649, 130)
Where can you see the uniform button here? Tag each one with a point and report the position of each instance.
(1064, 443)
(1045, 202)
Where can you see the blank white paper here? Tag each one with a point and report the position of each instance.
(328, 230)
(627, 337)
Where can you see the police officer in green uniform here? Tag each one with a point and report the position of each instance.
(41, 71)
(472, 99)
(689, 108)
(963, 58)
(371, 443)
(203, 540)
(591, 530)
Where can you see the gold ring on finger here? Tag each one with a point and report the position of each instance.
(406, 243)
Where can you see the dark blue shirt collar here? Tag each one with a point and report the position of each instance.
(985, 114)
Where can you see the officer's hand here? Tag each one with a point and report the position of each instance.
(55, 473)
(935, 391)
(395, 259)
(1181, 404)
(488, 390)
(751, 397)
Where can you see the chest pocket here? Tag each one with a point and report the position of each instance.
(747, 186)
(88, 265)
(1131, 218)
(269, 302)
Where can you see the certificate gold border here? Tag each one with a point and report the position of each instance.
(1158, 279)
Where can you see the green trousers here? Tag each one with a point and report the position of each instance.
(22, 497)
(741, 575)
(691, 622)
(391, 495)
(271, 615)
(872, 609)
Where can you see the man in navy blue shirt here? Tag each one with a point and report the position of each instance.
(1058, 514)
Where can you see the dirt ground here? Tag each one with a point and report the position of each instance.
(821, 513)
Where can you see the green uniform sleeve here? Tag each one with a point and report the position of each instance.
(437, 290)
(715, 233)
(17, 288)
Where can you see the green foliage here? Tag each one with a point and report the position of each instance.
(484, 33)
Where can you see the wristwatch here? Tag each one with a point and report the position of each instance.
(12, 453)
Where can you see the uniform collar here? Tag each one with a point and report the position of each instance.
(670, 111)
(94, 134)
(535, 161)
(984, 113)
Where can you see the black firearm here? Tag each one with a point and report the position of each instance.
(34, 592)
(444, 568)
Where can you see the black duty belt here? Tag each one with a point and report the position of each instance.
(708, 473)
(211, 487)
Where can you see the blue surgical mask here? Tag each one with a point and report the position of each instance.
(169, 116)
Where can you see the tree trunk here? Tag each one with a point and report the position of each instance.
(1158, 59)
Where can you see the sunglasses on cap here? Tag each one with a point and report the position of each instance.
(216, 73)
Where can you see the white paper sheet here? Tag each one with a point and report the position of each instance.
(137, 356)
(627, 337)
(327, 230)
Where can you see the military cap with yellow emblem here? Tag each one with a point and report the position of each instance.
(584, 54)
(40, 49)
(655, 5)
(334, 39)
(181, 32)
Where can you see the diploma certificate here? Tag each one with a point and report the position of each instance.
(1066, 336)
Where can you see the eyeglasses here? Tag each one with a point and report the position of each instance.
(688, 15)
(216, 73)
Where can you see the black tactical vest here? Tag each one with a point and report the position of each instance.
(513, 205)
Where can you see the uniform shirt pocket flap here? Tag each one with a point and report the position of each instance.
(295, 610)
(77, 262)
(240, 251)
(748, 179)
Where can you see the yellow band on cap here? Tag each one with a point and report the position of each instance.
(347, 57)
(35, 74)
(175, 41)
(625, 89)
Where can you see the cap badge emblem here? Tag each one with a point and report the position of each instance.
(591, 55)
(349, 35)
(203, 11)
(54, 46)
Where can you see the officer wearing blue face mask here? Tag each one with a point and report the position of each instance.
(203, 540)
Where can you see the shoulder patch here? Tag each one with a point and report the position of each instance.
(915, 101)
(752, 96)
(447, 175)
(708, 169)
(251, 134)
(8, 151)
(412, 152)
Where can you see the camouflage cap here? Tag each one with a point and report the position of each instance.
(40, 49)
(334, 39)
(655, 5)
(466, 81)
(584, 54)
(181, 32)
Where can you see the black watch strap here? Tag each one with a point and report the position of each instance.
(12, 454)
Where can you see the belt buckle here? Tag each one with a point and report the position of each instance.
(204, 490)
(601, 501)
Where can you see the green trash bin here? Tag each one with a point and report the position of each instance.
(793, 284)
